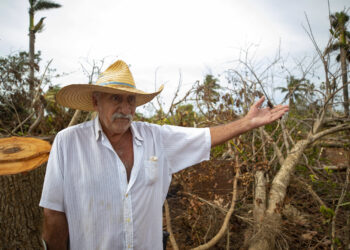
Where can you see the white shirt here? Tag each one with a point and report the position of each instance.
(87, 181)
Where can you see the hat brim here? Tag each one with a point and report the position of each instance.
(79, 96)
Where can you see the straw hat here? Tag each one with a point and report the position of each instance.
(117, 79)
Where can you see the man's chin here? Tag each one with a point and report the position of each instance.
(122, 120)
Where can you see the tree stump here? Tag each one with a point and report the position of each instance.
(21, 180)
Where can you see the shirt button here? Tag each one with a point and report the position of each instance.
(128, 220)
(126, 195)
(129, 246)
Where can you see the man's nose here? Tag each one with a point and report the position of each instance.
(124, 108)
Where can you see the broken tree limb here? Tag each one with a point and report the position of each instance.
(275, 147)
(282, 179)
(259, 196)
(75, 118)
(168, 226)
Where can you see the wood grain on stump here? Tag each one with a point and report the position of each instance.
(22, 154)
(22, 171)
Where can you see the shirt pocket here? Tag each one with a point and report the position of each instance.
(151, 171)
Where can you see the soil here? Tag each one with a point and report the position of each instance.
(304, 226)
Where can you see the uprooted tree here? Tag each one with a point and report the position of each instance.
(274, 152)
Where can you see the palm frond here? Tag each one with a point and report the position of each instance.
(45, 5)
(32, 2)
(282, 89)
(338, 58)
(333, 47)
(348, 57)
(347, 34)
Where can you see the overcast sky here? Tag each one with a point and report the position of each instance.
(194, 36)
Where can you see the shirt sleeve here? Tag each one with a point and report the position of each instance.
(184, 147)
(52, 194)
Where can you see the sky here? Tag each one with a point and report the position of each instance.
(160, 38)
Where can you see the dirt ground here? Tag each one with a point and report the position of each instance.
(196, 194)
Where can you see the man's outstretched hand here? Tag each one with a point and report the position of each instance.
(256, 117)
(261, 116)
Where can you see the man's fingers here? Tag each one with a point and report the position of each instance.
(279, 112)
(280, 107)
(259, 102)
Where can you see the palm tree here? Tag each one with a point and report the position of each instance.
(208, 92)
(339, 30)
(35, 6)
(296, 91)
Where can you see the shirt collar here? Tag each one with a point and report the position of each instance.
(97, 128)
(136, 135)
(98, 131)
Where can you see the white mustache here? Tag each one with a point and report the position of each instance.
(119, 115)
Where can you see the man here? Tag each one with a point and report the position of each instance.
(107, 179)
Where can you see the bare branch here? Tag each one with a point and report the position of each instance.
(332, 130)
(340, 201)
(168, 226)
(276, 148)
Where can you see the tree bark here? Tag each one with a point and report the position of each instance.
(268, 228)
(20, 214)
(40, 115)
(281, 181)
(344, 74)
(259, 196)
(31, 61)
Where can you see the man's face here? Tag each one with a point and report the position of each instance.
(115, 111)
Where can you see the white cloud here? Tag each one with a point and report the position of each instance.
(190, 35)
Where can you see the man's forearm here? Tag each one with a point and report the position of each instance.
(56, 243)
(220, 134)
(55, 231)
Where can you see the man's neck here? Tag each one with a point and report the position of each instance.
(113, 137)
(116, 139)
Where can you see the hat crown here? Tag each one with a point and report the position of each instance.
(116, 74)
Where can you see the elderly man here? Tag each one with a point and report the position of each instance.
(107, 179)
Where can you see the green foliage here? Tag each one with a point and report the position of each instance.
(14, 88)
(327, 212)
(44, 5)
(218, 150)
(57, 117)
(312, 177)
(297, 93)
(328, 171)
(208, 95)
(16, 101)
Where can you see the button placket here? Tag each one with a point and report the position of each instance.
(128, 223)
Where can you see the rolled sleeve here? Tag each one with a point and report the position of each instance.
(52, 194)
(184, 147)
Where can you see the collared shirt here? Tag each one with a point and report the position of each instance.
(87, 181)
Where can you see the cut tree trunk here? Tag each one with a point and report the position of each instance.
(20, 214)
(22, 171)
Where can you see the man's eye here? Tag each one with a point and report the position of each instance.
(131, 99)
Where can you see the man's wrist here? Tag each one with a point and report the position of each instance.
(248, 123)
